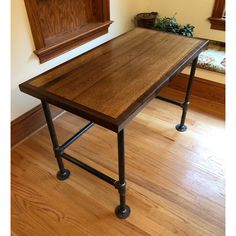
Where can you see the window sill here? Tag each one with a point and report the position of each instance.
(62, 43)
(217, 23)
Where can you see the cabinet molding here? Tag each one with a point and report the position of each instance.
(59, 26)
(218, 15)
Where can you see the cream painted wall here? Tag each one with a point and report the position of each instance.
(25, 65)
(193, 12)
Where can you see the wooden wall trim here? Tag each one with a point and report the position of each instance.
(218, 9)
(28, 123)
(60, 26)
(201, 87)
(217, 23)
(217, 20)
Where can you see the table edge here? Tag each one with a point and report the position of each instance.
(108, 122)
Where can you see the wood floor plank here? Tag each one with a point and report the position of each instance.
(175, 180)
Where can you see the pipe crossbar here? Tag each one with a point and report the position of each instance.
(90, 169)
(172, 101)
(77, 135)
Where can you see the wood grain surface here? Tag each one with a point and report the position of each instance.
(62, 16)
(25, 125)
(115, 80)
(175, 180)
(217, 18)
(58, 26)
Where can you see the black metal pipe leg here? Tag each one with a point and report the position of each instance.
(182, 127)
(63, 173)
(122, 211)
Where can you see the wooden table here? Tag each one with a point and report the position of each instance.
(110, 84)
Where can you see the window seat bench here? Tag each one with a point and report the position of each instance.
(211, 63)
(209, 80)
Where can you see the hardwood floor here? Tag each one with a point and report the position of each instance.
(175, 180)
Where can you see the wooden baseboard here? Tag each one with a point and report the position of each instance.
(201, 87)
(28, 123)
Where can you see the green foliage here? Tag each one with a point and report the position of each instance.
(168, 24)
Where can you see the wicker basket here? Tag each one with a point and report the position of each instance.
(146, 20)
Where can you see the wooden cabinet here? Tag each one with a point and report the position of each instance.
(61, 25)
(218, 15)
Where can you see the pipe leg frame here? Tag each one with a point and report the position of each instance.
(63, 173)
(122, 211)
(184, 105)
(182, 127)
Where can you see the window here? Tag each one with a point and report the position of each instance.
(218, 15)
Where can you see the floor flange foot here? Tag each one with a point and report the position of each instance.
(181, 128)
(122, 214)
(63, 176)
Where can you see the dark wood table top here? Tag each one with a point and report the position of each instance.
(111, 83)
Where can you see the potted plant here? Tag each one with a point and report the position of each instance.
(169, 24)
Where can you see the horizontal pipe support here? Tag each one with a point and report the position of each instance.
(77, 135)
(90, 169)
(172, 101)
